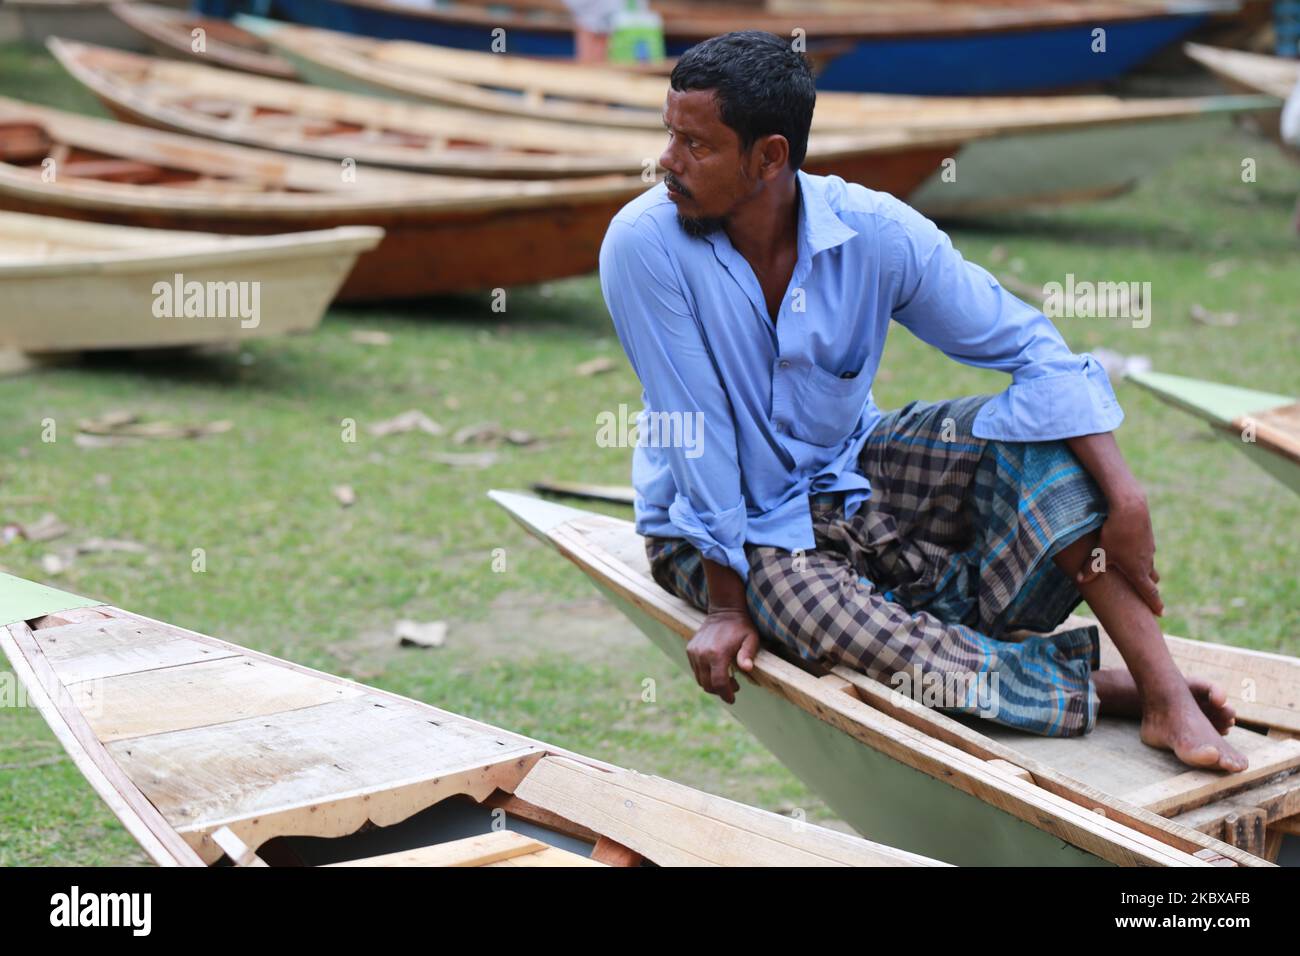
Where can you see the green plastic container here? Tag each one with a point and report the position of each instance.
(636, 35)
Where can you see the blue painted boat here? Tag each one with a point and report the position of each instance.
(964, 50)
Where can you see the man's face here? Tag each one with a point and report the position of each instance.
(706, 172)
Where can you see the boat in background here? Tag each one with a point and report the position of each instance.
(89, 20)
(271, 114)
(976, 792)
(73, 286)
(1266, 427)
(209, 752)
(441, 234)
(1253, 73)
(169, 32)
(941, 48)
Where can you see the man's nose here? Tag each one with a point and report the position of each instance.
(668, 159)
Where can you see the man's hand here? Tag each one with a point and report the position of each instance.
(725, 638)
(1127, 542)
(1128, 545)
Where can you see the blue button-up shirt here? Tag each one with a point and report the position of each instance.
(744, 419)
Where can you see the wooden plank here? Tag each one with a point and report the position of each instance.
(240, 853)
(612, 853)
(551, 856)
(196, 695)
(480, 850)
(513, 806)
(323, 770)
(106, 647)
(1010, 768)
(1246, 831)
(1195, 788)
(672, 825)
(1279, 799)
(140, 818)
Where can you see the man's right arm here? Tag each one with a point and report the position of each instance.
(663, 341)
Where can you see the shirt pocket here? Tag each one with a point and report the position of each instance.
(827, 408)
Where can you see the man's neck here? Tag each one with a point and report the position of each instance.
(767, 227)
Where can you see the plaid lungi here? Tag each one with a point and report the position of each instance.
(927, 584)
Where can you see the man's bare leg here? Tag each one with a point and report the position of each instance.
(1186, 717)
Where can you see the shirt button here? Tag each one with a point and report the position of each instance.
(780, 426)
(784, 364)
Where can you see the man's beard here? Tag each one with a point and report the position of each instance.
(697, 227)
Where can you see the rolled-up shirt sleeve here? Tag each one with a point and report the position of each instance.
(664, 343)
(959, 308)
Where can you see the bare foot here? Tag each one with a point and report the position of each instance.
(1189, 721)
(1119, 696)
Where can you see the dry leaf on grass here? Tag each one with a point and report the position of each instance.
(371, 337)
(490, 433)
(408, 421)
(100, 545)
(122, 427)
(45, 528)
(480, 459)
(1204, 316)
(596, 366)
(345, 495)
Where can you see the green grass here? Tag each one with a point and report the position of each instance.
(530, 649)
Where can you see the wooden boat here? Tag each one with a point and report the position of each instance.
(932, 48)
(983, 794)
(1263, 425)
(1253, 73)
(210, 752)
(172, 33)
(424, 138)
(74, 286)
(1057, 165)
(442, 234)
(573, 93)
(90, 20)
(614, 494)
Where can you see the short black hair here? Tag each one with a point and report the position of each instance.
(763, 86)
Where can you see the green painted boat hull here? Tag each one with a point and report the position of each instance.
(1220, 405)
(882, 799)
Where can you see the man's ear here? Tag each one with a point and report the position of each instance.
(774, 155)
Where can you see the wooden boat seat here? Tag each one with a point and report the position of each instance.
(1250, 810)
(501, 848)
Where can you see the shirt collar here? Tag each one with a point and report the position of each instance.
(819, 226)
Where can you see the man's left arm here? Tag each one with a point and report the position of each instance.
(959, 308)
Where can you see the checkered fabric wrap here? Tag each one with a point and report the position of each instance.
(926, 586)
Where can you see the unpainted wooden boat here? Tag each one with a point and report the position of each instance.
(442, 234)
(981, 793)
(176, 33)
(75, 286)
(211, 753)
(90, 20)
(426, 138)
(922, 47)
(1266, 427)
(614, 494)
(1253, 73)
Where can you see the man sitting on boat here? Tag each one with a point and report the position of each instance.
(754, 299)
